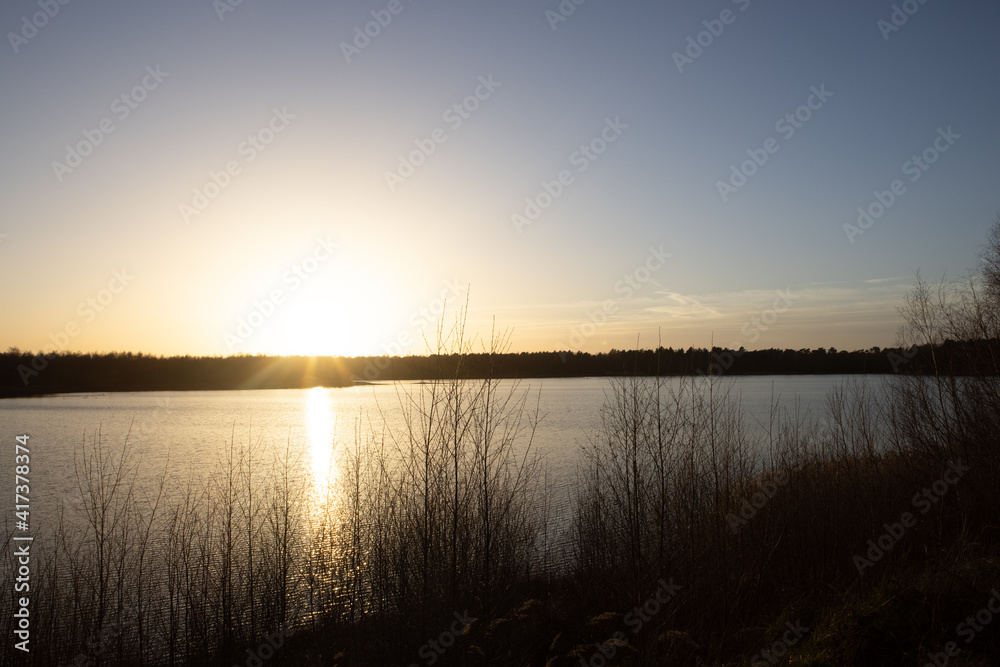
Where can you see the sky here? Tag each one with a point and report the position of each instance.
(295, 177)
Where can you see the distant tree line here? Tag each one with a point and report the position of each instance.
(26, 374)
(661, 361)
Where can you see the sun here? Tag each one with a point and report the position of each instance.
(320, 328)
(344, 308)
(347, 325)
(315, 328)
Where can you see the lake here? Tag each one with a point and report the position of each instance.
(182, 435)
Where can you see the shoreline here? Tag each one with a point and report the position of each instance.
(11, 393)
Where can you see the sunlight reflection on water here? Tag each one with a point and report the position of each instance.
(320, 417)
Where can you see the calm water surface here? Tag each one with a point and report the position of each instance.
(184, 434)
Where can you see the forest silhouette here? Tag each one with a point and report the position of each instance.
(32, 374)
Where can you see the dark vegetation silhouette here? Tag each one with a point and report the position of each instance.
(27, 374)
(661, 361)
(693, 536)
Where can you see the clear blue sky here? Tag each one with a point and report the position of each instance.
(356, 249)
